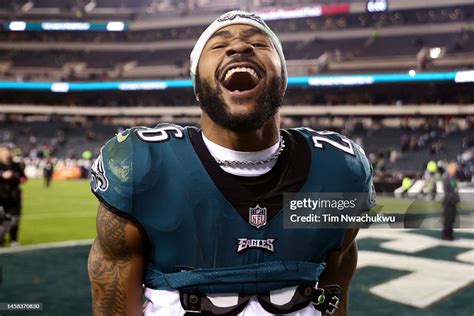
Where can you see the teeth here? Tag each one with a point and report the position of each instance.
(231, 71)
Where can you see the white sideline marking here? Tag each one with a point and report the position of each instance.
(430, 280)
(465, 230)
(467, 256)
(404, 241)
(61, 244)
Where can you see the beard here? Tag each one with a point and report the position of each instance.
(268, 103)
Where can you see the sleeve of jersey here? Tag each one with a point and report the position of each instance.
(368, 189)
(112, 172)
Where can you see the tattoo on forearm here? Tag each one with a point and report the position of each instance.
(108, 295)
(108, 259)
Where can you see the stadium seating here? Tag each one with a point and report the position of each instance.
(348, 54)
(161, 35)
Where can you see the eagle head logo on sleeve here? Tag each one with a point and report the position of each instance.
(98, 178)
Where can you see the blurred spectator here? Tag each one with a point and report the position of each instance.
(380, 164)
(48, 171)
(431, 176)
(451, 198)
(11, 176)
(464, 172)
(437, 147)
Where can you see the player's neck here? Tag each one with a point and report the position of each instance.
(256, 140)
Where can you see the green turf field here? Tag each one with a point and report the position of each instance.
(65, 211)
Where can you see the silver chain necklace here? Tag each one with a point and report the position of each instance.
(253, 162)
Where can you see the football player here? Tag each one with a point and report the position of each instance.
(192, 219)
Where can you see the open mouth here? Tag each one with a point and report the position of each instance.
(240, 79)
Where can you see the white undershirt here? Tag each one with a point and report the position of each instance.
(222, 153)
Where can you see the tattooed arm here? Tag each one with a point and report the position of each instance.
(116, 266)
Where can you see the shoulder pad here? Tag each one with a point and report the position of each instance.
(111, 172)
(348, 157)
(130, 162)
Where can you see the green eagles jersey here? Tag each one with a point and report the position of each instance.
(213, 232)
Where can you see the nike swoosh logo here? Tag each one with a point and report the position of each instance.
(121, 137)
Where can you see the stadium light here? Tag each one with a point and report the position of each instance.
(17, 26)
(464, 76)
(61, 87)
(377, 5)
(115, 26)
(435, 52)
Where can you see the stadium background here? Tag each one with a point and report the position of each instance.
(396, 76)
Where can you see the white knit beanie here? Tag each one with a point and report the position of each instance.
(231, 18)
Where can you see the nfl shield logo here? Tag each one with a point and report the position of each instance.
(258, 216)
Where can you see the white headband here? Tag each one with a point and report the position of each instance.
(231, 18)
